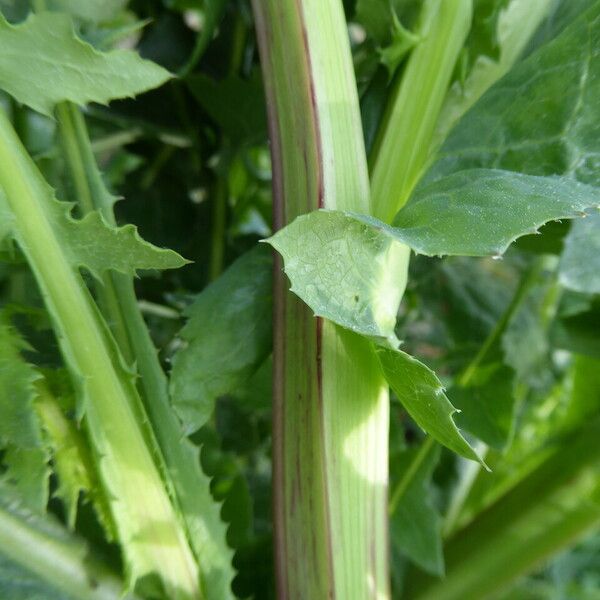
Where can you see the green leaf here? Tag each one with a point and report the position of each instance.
(338, 263)
(422, 395)
(541, 118)
(580, 261)
(95, 245)
(415, 523)
(40, 560)
(227, 337)
(42, 63)
(25, 457)
(481, 212)
(342, 266)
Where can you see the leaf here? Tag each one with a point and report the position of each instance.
(580, 261)
(339, 263)
(25, 457)
(415, 523)
(343, 267)
(42, 63)
(227, 337)
(97, 246)
(71, 456)
(422, 395)
(541, 118)
(481, 212)
(40, 560)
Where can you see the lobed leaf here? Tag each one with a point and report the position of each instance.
(422, 395)
(95, 245)
(43, 62)
(227, 337)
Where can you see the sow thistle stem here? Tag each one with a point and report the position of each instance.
(330, 431)
(154, 541)
(118, 300)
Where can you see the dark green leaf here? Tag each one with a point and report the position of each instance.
(541, 118)
(226, 339)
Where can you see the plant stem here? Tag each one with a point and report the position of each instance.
(402, 147)
(153, 540)
(191, 486)
(330, 399)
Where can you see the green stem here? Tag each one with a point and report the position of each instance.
(152, 538)
(330, 421)
(191, 486)
(402, 148)
(219, 218)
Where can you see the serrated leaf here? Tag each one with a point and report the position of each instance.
(25, 457)
(422, 395)
(227, 337)
(71, 457)
(338, 263)
(415, 523)
(481, 212)
(377, 16)
(95, 245)
(43, 62)
(580, 261)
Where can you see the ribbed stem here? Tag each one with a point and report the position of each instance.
(330, 399)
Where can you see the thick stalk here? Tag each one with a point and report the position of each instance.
(191, 486)
(153, 539)
(330, 399)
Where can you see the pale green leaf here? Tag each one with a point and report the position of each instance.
(42, 63)
(481, 212)
(580, 260)
(338, 263)
(422, 395)
(25, 457)
(227, 337)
